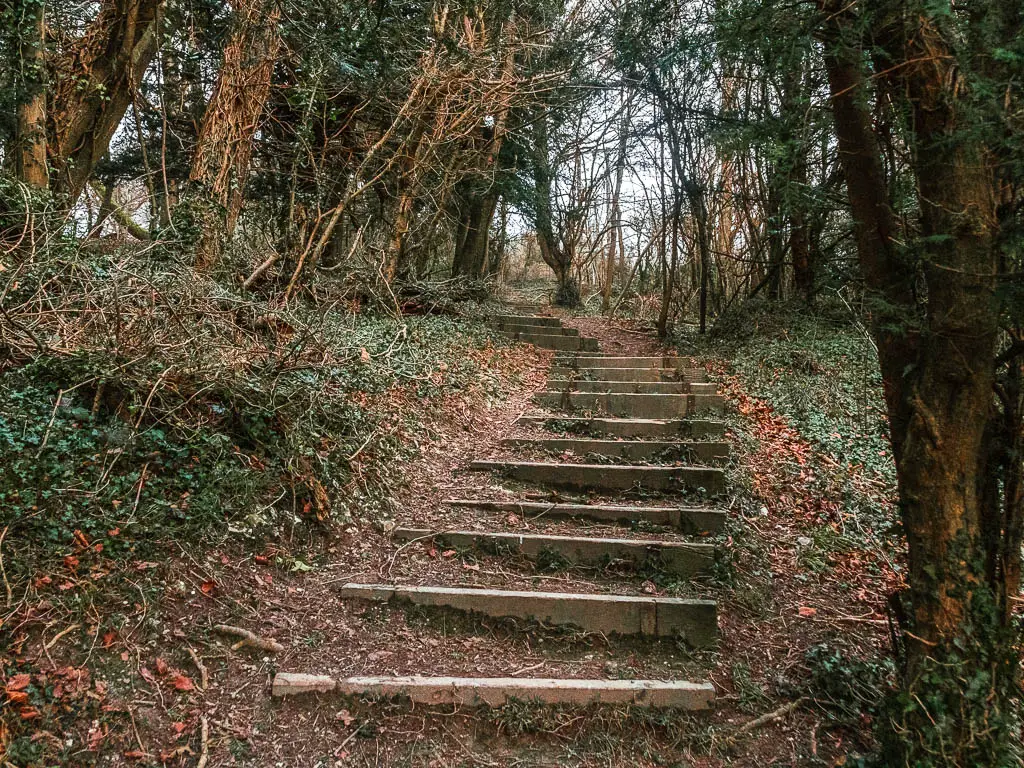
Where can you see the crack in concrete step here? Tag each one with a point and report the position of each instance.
(607, 477)
(632, 405)
(694, 621)
(631, 387)
(678, 558)
(691, 520)
(634, 450)
(497, 691)
(626, 427)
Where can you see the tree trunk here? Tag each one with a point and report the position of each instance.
(475, 225)
(567, 293)
(615, 228)
(30, 154)
(92, 87)
(232, 117)
(938, 369)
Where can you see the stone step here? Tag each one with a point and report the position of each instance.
(602, 361)
(634, 450)
(631, 374)
(531, 319)
(631, 405)
(541, 329)
(552, 340)
(631, 387)
(497, 691)
(695, 621)
(679, 558)
(690, 520)
(694, 428)
(607, 477)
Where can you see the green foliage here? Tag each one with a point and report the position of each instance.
(820, 372)
(848, 688)
(175, 428)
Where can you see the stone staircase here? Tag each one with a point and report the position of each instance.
(545, 332)
(622, 432)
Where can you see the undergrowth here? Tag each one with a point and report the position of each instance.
(140, 401)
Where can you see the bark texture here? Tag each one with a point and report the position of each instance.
(232, 117)
(93, 82)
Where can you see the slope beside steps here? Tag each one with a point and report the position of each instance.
(650, 422)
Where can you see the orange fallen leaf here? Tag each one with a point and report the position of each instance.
(808, 612)
(18, 682)
(183, 683)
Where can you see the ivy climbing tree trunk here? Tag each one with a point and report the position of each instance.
(232, 117)
(938, 357)
(30, 153)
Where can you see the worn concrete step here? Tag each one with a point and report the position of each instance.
(678, 558)
(599, 386)
(631, 387)
(497, 691)
(632, 405)
(690, 520)
(553, 340)
(695, 621)
(634, 450)
(541, 329)
(603, 361)
(607, 477)
(531, 319)
(694, 428)
(630, 374)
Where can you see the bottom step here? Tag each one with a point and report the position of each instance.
(496, 691)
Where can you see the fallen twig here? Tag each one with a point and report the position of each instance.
(768, 717)
(248, 638)
(3, 571)
(204, 675)
(204, 751)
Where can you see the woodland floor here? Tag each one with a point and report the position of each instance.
(801, 605)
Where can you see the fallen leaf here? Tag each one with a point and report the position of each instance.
(183, 683)
(808, 612)
(162, 668)
(345, 717)
(18, 682)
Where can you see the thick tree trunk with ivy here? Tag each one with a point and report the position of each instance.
(938, 356)
(224, 149)
(91, 87)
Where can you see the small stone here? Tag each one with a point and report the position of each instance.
(803, 541)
